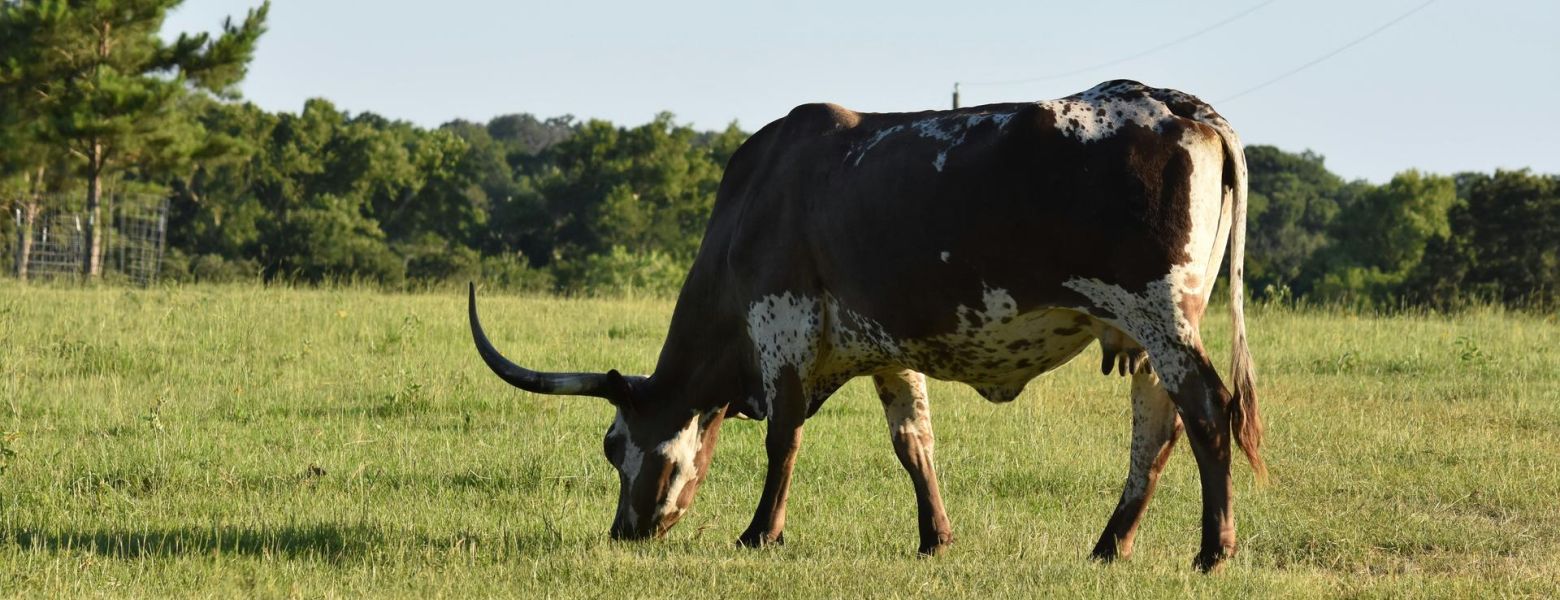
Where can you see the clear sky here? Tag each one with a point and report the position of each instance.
(1459, 85)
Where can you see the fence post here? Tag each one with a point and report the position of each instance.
(20, 236)
(162, 238)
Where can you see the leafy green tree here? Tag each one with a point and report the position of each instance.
(1293, 200)
(1389, 227)
(316, 179)
(722, 144)
(643, 188)
(621, 271)
(329, 238)
(524, 137)
(1381, 238)
(109, 88)
(215, 210)
(1503, 243)
(516, 213)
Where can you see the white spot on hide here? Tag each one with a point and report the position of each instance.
(1102, 110)
(784, 330)
(950, 129)
(861, 152)
(1152, 317)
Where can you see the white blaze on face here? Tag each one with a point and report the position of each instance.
(681, 452)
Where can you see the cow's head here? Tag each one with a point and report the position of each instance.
(661, 449)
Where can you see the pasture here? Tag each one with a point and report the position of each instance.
(213, 441)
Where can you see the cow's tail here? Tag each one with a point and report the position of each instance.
(1245, 420)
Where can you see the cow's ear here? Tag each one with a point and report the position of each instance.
(622, 390)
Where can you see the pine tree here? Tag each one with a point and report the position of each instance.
(100, 84)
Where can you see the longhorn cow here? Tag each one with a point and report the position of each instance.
(983, 245)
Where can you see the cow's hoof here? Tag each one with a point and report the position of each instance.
(935, 544)
(937, 549)
(1108, 550)
(1212, 561)
(752, 539)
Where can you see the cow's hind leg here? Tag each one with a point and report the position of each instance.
(1163, 320)
(910, 426)
(781, 443)
(1155, 426)
(1205, 413)
(1185, 372)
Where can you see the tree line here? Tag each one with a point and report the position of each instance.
(1419, 239)
(93, 101)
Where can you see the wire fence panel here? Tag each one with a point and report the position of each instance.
(131, 249)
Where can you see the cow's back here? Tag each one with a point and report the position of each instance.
(906, 232)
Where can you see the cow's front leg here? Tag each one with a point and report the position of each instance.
(1155, 426)
(782, 441)
(910, 426)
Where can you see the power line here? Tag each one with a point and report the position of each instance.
(1330, 54)
(1136, 56)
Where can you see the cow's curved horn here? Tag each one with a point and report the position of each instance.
(610, 385)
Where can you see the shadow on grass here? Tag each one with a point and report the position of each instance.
(320, 541)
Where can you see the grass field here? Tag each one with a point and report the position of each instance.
(212, 441)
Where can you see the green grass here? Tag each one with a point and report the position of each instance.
(217, 440)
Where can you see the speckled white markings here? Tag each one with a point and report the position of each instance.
(998, 305)
(867, 337)
(993, 347)
(784, 329)
(1102, 110)
(907, 410)
(1153, 425)
(952, 130)
(1153, 317)
(861, 152)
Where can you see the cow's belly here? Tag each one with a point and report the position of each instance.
(996, 349)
